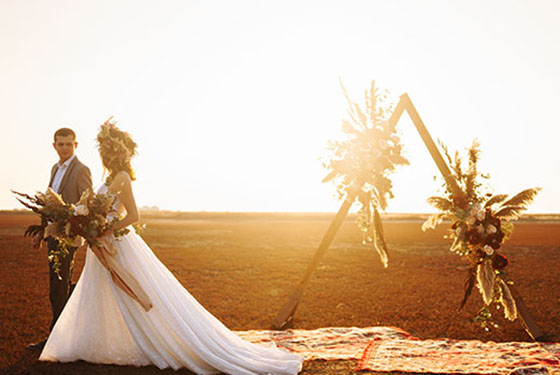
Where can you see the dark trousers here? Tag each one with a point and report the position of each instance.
(60, 288)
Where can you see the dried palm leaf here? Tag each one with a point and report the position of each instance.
(509, 213)
(441, 203)
(34, 230)
(330, 176)
(348, 128)
(457, 244)
(361, 116)
(380, 199)
(486, 279)
(379, 239)
(26, 196)
(432, 221)
(474, 152)
(445, 152)
(365, 219)
(470, 281)
(370, 231)
(371, 101)
(53, 199)
(522, 199)
(350, 109)
(32, 208)
(507, 300)
(457, 168)
(469, 184)
(495, 199)
(34, 202)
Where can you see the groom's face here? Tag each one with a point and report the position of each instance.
(65, 146)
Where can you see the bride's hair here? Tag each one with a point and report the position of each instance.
(116, 148)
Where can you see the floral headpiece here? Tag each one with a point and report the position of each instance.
(115, 144)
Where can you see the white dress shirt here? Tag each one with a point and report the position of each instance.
(60, 172)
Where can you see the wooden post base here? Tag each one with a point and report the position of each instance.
(529, 323)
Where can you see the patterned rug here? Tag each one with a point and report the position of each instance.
(388, 349)
(324, 343)
(461, 357)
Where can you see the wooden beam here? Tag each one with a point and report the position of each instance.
(429, 142)
(529, 323)
(287, 311)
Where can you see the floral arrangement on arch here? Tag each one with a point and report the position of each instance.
(69, 223)
(481, 222)
(361, 164)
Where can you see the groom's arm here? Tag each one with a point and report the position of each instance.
(84, 181)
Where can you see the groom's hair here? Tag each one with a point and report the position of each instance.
(64, 132)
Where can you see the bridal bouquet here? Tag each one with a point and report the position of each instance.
(69, 223)
(480, 225)
(361, 164)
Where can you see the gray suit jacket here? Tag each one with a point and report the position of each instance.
(76, 180)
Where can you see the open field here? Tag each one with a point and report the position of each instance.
(242, 267)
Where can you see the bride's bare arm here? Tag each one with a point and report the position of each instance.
(122, 186)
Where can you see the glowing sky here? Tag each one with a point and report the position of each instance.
(233, 102)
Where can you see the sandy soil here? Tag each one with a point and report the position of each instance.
(243, 267)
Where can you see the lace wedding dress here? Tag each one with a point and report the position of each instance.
(103, 324)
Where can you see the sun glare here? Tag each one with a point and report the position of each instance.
(233, 106)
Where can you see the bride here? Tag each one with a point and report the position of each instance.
(147, 318)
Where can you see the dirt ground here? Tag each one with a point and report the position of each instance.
(243, 267)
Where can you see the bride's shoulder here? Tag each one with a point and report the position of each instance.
(120, 182)
(122, 176)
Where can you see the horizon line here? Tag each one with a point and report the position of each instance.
(157, 210)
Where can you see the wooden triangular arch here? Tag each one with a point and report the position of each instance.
(286, 312)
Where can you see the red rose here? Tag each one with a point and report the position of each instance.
(494, 240)
(474, 237)
(499, 261)
(500, 235)
(77, 223)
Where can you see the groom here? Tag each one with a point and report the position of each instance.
(70, 178)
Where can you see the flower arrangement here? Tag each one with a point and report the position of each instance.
(360, 165)
(481, 222)
(69, 223)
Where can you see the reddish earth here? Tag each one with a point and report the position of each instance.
(242, 267)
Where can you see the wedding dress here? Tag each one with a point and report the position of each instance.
(103, 324)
